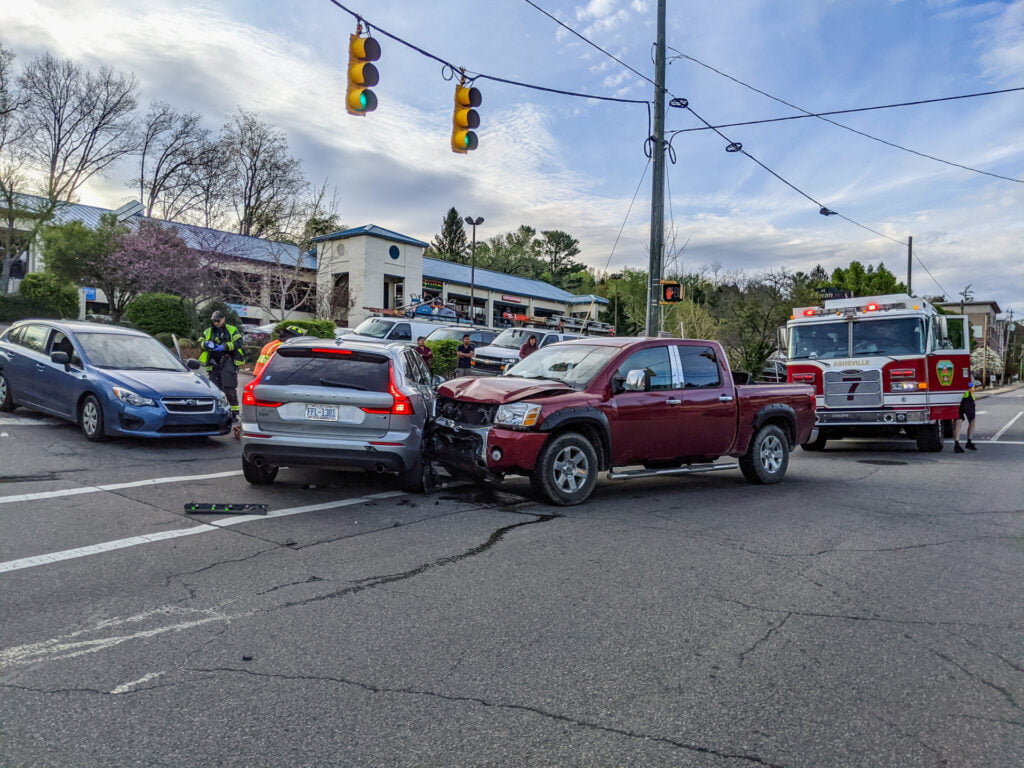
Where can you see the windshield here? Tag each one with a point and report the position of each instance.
(375, 327)
(573, 364)
(514, 338)
(303, 367)
(127, 352)
(447, 334)
(885, 336)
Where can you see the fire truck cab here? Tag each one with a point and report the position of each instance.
(884, 366)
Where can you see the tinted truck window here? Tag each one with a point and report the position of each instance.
(327, 368)
(700, 367)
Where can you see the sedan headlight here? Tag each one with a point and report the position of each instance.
(222, 401)
(131, 398)
(517, 415)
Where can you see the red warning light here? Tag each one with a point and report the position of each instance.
(871, 308)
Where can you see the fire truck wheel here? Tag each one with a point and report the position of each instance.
(929, 438)
(767, 458)
(818, 443)
(566, 470)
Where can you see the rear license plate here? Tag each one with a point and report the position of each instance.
(321, 413)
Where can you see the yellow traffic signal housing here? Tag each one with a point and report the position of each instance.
(671, 292)
(465, 119)
(362, 75)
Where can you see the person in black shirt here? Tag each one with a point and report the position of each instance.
(465, 353)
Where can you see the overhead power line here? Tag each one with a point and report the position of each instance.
(823, 116)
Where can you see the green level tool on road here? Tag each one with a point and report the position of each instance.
(226, 509)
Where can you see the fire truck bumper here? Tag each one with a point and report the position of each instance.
(864, 418)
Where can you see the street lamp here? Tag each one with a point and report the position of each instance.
(472, 267)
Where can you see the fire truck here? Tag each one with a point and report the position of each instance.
(882, 366)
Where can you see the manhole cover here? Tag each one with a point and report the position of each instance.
(883, 462)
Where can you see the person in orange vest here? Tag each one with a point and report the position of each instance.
(283, 334)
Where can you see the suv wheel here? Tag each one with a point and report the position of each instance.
(767, 458)
(6, 399)
(419, 478)
(90, 417)
(258, 475)
(566, 470)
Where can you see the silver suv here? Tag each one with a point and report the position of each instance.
(338, 403)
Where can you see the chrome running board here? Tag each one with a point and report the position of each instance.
(693, 469)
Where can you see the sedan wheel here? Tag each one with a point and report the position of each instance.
(91, 419)
(6, 399)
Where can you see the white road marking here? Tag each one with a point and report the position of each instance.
(4, 434)
(113, 487)
(1008, 425)
(149, 538)
(125, 687)
(28, 421)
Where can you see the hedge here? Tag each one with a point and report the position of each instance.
(159, 313)
(51, 291)
(16, 307)
(321, 329)
(445, 358)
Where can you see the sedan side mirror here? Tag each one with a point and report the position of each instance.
(638, 380)
(61, 358)
(192, 364)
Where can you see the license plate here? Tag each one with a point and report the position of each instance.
(321, 413)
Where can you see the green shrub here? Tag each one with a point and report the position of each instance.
(321, 329)
(159, 313)
(52, 291)
(251, 352)
(445, 359)
(165, 338)
(16, 307)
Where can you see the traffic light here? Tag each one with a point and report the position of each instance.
(362, 75)
(671, 292)
(465, 119)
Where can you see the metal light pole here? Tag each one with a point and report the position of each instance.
(616, 277)
(472, 267)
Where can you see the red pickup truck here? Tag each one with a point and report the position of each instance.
(574, 409)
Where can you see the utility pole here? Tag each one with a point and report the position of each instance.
(657, 183)
(910, 261)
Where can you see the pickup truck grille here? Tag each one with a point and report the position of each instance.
(475, 414)
(853, 389)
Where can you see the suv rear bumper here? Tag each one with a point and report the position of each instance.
(393, 452)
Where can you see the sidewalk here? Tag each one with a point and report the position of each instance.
(998, 390)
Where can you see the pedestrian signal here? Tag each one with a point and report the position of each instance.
(362, 75)
(465, 119)
(671, 292)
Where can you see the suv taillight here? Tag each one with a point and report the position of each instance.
(402, 406)
(249, 395)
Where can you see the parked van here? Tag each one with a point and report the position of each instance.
(479, 337)
(503, 352)
(390, 329)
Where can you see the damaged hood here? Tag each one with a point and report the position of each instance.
(500, 389)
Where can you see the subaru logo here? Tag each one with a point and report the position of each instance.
(191, 403)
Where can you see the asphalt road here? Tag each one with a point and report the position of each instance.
(865, 612)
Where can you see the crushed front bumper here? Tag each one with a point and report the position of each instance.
(484, 451)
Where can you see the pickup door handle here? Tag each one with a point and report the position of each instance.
(672, 401)
(725, 398)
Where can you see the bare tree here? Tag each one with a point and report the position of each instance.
(79, 122)
(267, 180)
(174, 150)
(279, 284)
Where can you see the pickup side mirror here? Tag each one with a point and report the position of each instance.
(61, 358)
(638, 380)
(192, 364)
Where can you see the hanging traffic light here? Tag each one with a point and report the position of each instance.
(362, 75)
(671, 292)
(465, 119)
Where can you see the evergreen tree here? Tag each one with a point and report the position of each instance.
(451, 244)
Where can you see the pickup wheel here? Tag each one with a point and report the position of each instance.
(767, 458)
(566, 470)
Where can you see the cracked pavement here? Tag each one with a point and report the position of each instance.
(855, 615)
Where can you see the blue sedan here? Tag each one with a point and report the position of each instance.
(109, 380)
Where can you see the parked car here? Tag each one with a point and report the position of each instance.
(110, 380)
(259, 334)
(502, 353)
(571, 410)
(479, 337)
(377, 329)
(340, 403)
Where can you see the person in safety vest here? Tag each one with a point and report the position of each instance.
(967, 411)
(283, 334)
(222, 356)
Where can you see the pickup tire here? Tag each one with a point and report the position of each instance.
(566, 470)
(767, 458)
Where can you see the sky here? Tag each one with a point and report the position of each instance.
(556, 161)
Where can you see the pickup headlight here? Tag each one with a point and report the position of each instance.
(517, 415)
(131, 398)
